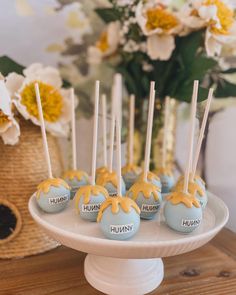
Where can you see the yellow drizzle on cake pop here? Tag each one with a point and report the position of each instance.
(150, 176)
(78, 174)
(107, 177)
(146, 188)
(101, 170)
(46, 184)
(193, 188)
(87, 191)
(196, 177)
(164, 171)
(125, 203)
(179, 197)
(131, 168)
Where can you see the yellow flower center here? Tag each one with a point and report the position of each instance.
(51, 99)
(160, 18)
(102, 43)
(3, 118)
(225, 16)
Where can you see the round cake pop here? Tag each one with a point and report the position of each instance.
(119, 216)
(130, 171)
(182, 210)
(146, 194)
(53, 194)
(88, 198)
(152, 178)
(110, 181)
(75, 178)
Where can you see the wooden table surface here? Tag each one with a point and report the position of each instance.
(208, 270)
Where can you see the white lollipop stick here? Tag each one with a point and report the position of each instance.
(112, 127)
(191, 135)
(118, 155)
(131, 129)
(201, 135)
(149, 130)
(44, 136)
(118, 95)
(104, 128)
(73, 131)
(166, 114)
(95, 131)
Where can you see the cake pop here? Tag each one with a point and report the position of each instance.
(109, 179)
(146, 194)
(53, 194)
(88, 198)
(75, 178)
(164, 172)
(118, 216)
(182, 210)
(130, 171)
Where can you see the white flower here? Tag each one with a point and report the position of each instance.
(55, 100)
(106, 45)
(217, 16)
(9, 127)
(122, 3)
(159, 25)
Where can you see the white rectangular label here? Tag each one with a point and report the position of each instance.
(58, 200)
(150, 208)
(121, 229)
(91, 207)
(190, 222)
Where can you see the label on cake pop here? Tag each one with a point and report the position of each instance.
(58, 200)
(150, 208)
(121, 228)
(190, 222)
(91, 207)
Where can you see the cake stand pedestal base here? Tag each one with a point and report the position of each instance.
(115, 276)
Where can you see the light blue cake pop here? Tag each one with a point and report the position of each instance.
(182, 212)
(75, 179)
(109, 181)
(88, 200)
(151, 178)
(53, 195)
(119, 218)
(130, 174)
(147, 196)
(167, 179)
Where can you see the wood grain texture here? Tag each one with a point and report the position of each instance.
(208, 270)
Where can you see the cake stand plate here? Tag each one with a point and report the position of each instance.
(133, 266)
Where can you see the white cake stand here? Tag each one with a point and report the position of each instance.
(134, 266)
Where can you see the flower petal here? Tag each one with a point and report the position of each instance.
(13, 83)
(213, 48)
(12, 134)
(160, 46)
(94, 55)
(5, 100)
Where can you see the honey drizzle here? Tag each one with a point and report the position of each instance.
(101, 170)
(78, 174)
(45, 185)
(131, 168)
(164, 171)
(104, 178)
(150, 176)
(193, 188)
(179, 197)
(87, 191)
(146, 188)
(125, 203)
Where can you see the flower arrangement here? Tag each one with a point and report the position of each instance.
(18, 101)
(170, 42)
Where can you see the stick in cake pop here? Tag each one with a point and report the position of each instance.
(109, 178)
(119, 216)
(182, 210)
(146, 194)
(75, 178)
(52, 194)
(88, 198)
(130, 171)
(164, 172)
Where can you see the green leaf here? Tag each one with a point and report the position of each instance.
(8, 65)
(184, 93)
(108, 14)
(200, 66)
(66, 84)
(225, 89)
(229, 71)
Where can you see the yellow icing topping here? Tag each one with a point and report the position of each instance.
(102, 44)
(101, 170)
(87, 191)
(116, 202)
(3, 118)
(193, 188)
(146, 188)
(46, 184)
(164, 171)
(131, 168)
(106, 177)
(196, 177)
(78, 174)
(151, 176)
(179, 197)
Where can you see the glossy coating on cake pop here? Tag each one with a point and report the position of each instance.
(110, 182)
(53, 195)
(75, 179)
(147, 196)
(130, 174)
(88, 200)
(182, 212)
(119, 218)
